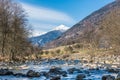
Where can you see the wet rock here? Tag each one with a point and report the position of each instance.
(56, 78)
(5, 72)
(43, 73)
(64, 73)
(94, 69)
(86, 71)
(113, 70)
(72, 70)
(19, 75)
(32, 73)
(108, 77)
(80, 76)
(118, 76)
(55, 70)
(47, 75)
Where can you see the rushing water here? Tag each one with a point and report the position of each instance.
(46, 65)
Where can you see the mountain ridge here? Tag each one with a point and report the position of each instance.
(89, 23)
(48, 36)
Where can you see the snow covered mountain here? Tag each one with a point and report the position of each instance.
(49, 36)
(61, 28)
(91, 27)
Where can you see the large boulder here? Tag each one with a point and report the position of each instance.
(108, 77)
(32, 73)
(5, 72)
(80, 76)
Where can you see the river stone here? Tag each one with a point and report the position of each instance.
(108, 77)
(5, 72)
(64, 73)
(80, 76)
(32, 73)
(56, 78)
(118, 76)
(47, 75)
(19, 75)
(72, 70)
(113, 70)
(55, 70)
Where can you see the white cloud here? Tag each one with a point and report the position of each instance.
(41, 28)
(44, 14)
(44, 19)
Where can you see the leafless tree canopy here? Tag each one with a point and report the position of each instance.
(13, 30)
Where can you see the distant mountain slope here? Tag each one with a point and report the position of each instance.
(49, 36)
(87, 28)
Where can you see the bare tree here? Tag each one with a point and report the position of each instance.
(13, 30)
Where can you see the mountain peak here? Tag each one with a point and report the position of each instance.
(89, 27)
(61, 28)
(41, 40)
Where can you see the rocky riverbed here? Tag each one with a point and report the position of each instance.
(57, 70)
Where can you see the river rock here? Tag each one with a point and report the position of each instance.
(113, 70)
(19, 75)
(80, 76)
(108, 77)
(56, 78)
(72, 70)
(118, 76)
(5, 72)
(46, 74)
(55, 70)
(32, 73)
(64, 73)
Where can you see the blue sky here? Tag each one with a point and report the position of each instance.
(44, 15)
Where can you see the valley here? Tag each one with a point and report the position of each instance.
(88, 50)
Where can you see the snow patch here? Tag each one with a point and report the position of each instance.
(61, 28)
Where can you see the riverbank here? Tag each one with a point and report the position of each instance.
(55, 69)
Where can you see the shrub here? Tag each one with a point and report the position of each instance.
(68, 49)
(58, 51)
